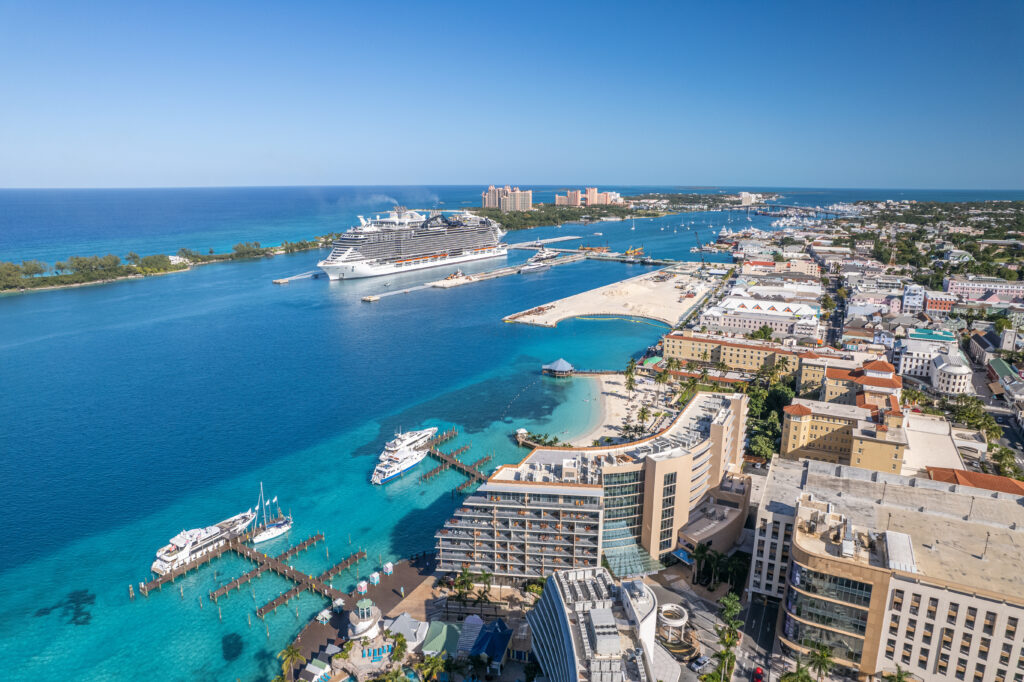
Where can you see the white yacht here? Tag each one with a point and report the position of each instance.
(191, 544)
(401, 453)
(272, 528)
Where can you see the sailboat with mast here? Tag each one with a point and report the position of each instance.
(272, 528)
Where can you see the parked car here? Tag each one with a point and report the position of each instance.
(698, 663)
(758, 675)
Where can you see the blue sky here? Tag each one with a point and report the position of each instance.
(815, 94)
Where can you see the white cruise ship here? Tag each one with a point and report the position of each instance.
(190, 544)
(401, 453)
(405, 240)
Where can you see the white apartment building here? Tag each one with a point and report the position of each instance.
(913, 299)
(746, 315)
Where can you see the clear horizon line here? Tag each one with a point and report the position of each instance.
(520, 184)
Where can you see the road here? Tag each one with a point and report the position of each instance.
(758, 638)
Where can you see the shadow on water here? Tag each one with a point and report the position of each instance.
(231, 646)
(74, 608)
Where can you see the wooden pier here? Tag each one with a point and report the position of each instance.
(262, 565)
(264, 562)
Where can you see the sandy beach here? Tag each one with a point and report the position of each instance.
(614, 403)
(666, 296)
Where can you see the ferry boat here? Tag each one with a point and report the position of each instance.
(400, 454)
(271, 528)
(191, 544)
(405, 240)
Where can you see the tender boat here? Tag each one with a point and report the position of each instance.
(272, 528)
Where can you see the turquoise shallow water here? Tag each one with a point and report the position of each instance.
(133, 410)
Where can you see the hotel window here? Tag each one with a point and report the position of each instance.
(1004, 656)
(951, 615)
(894, 625)
(922, 659)
(1011, 628)
(979, 672)
(911, 628)
(972, 613)
(907, 648)
(927, 636)
(965, 644)
(915, 602)
(990, 623)
(983, 647)
(933, 605)
(897, 600)
(961, 668)
(890, 649)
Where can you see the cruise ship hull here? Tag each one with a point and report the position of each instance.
(363, 269)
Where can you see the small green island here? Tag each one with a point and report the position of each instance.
(82, 270)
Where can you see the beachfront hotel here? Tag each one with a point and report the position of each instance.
(891, 570)
(586, 628)
(588, 197)
(507, 198)
(632, 503)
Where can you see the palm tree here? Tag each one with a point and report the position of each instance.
(662, 379)
(431, 668)
(479, 664)
(783, 364)
(699, 554)
(820, 660)
(463, 583)
(630, 385)
(394, 675)
(703, 375)
(704, 355)
(290, 657)
(673, 364)
(716, 559)
(726, 660)
(643, 415)
(801, 674)
(900, 675)
(735, 567)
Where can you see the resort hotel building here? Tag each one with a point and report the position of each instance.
(507, 198)
(633, 503)
(890, 570)
(585, 628)
(747, 315)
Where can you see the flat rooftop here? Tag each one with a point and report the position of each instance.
(583, 466)
(930, 443)
(967, 536)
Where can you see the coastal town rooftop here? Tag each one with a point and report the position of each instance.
(957, 534)
(583, 466)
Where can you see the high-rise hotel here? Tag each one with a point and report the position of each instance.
(633, 504)
(507, 198)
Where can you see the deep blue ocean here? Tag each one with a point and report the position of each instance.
(136, 409)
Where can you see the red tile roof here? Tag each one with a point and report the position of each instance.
(976, 479)
(797, 410)
(857, 376)
(879, 366)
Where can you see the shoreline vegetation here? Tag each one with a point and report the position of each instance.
(549, 214)
(34, 275)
